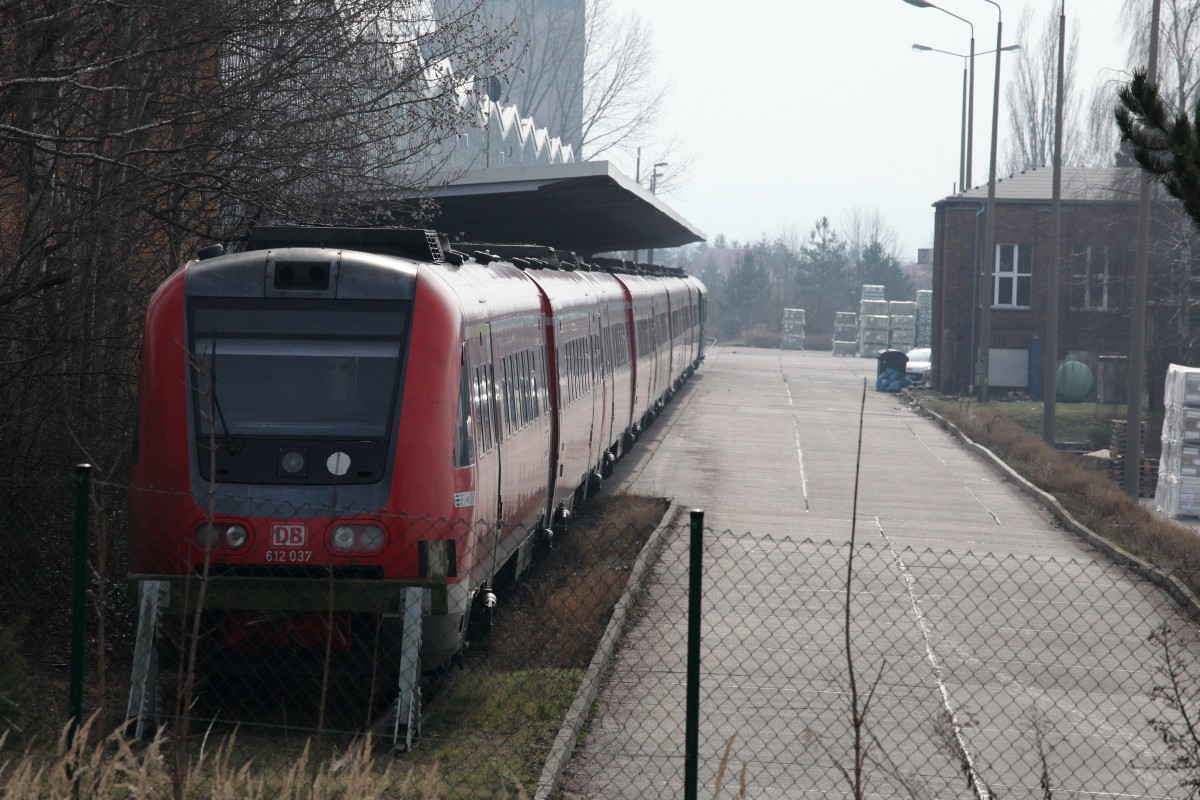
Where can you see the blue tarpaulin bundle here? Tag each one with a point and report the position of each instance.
(891, 380)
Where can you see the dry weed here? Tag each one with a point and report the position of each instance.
(1089, 496)
(562, 608)
(112, 768)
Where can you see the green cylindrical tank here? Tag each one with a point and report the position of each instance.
(1075, 381)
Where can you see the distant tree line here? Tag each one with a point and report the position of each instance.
(822, 272)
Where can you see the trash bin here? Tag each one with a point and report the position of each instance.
(892, 377)
(892, 359)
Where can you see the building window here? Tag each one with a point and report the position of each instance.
(1093, 283)
(1014, 276)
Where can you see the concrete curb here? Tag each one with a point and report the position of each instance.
(1168, 583)
(589, 688)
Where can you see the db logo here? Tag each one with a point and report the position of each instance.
(288, 535)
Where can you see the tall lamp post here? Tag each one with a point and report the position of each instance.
(987, 283)
(987, 288)
(964, 169)
(1137, 333)
(964, 155)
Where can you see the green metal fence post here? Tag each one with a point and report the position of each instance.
(692, 733)
(83, 497)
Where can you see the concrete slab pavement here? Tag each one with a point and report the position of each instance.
(969, 602)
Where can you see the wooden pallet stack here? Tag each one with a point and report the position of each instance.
(1117, 449)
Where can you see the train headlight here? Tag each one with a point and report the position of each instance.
(236, 536)
(343, 538)
(211, 535)
(358, 538)
(292, 461)
(208, 536)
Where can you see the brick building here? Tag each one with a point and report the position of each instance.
(1098, 233)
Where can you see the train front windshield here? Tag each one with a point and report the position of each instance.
(296, 369)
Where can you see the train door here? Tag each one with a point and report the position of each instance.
(608, 408)
(488, 448)
(599, 430)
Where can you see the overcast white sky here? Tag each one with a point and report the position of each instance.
(797, 109)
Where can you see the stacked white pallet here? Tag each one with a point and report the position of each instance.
(845, 333)
(793, 329)
(872, 291)
(1178, 490)
(873, 332)
(903, 333)
(924, 318)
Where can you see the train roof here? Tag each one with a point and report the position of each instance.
(585, 207)
(415, 243)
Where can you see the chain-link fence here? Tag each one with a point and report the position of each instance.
(953, 673)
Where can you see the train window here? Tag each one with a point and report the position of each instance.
(514, 390)
(482, 418)
(564, 375)
(581, 350)
(574, 393)
(571, 370)
(526, 405)
(590, 366)
(518, 400)
(487, 411)
(489, 397)
(464, 448)
(529, 385)
(533, 384)
(505, 398)
(581, 366)
(296, 369)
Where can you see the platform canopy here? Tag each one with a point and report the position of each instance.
(587, 207)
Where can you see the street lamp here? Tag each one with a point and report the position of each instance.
(964, 173)
(987, 288)
(987, 284)
(654, 176)
(964, 158)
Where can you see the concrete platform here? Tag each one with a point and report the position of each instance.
(969, 603)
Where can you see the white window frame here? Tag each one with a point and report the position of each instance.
(1019, 271)
(1097, 285)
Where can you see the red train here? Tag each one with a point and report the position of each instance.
(335, 415)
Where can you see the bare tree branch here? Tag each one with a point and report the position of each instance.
(1031, 97)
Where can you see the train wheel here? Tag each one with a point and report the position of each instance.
(479, 615)
(591, 484)
(562, 521)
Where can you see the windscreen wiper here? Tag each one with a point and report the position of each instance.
(212, 387)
